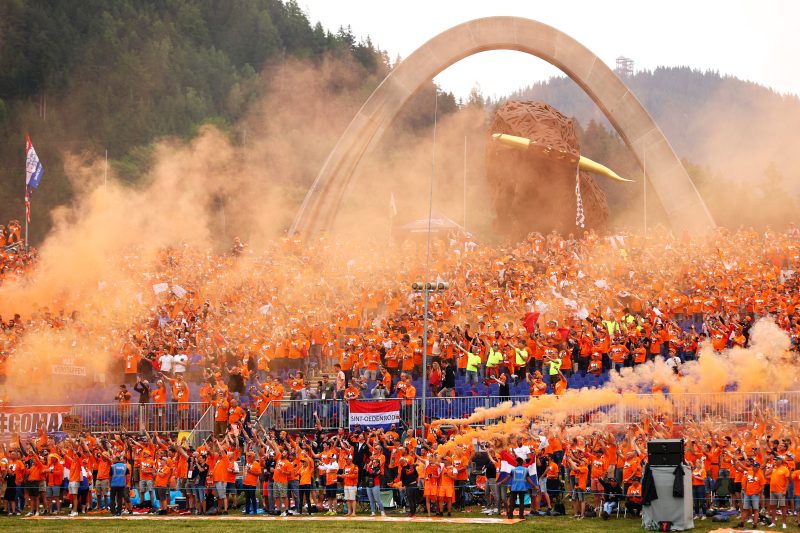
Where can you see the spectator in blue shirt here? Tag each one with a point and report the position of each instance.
(119, 485)
(520, 481)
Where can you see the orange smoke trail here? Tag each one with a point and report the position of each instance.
(762, 367)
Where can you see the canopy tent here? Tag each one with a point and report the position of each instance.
(438, 224)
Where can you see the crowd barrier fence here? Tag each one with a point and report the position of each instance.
(119, 418)
(304, 415)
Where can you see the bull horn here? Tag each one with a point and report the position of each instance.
(512, 141)
(586, 164)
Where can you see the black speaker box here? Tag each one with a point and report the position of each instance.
(666, 452)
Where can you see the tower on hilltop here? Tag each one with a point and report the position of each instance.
(624, 66)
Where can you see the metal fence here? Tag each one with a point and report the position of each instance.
(736, 407)
(116, 418)
(303, 415)
(306, 414)
(203, 429)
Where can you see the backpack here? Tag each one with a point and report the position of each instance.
(723, 487)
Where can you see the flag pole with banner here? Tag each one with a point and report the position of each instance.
(33, 175)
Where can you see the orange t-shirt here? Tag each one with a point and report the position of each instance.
(146, 472)
(55, 477)
(252, 472)
(581, 475)
(753, 482)
(630, 468)
(222, 411)
(159, 395)
(103, 468)
(36, 471)
(283, 470)
(331, 477)
(350, 475)
(162, 475)
(599, 467)
(635, 493)
(220, 471)
(432, 473)
(698, 476)
(235, 414)
(306, 470)
(779, 479)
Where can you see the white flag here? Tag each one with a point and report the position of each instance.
(158, 288)
(178, 291)
(393, 205)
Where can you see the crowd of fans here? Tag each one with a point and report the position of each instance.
(15, 260)
(532, 315)
(589, 471)
(242, 331)
(538, 313)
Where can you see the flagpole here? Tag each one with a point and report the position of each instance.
(465, 183)
(33, 173)
(27, 210)
(27, 196)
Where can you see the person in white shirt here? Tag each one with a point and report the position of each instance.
(179, 363)
(673, 362)
(166, 361)
(522, 451)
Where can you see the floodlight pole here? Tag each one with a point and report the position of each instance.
(424, 383)
(428, 265)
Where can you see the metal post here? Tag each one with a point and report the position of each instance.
(427, 267)
(424, 352)
(465, 183)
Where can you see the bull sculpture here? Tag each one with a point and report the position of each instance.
(533, 163)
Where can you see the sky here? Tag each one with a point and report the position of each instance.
(752, 40)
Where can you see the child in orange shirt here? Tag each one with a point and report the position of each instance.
(447, 491)
(433, 471)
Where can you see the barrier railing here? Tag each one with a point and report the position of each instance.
(117, 418)
(303, 415)
(13, 247)
(734, 407)
(203, 429)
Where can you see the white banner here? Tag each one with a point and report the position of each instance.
(69, 370)
(374, 413)
(15, 420)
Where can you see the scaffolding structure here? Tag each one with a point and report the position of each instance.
(624, 66)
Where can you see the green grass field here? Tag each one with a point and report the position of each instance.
(548, 524)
